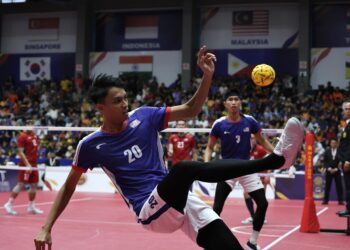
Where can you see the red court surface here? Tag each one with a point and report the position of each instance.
(102, 221)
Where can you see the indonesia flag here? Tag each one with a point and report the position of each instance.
(136, 63)
(33, 67)
(141, 27)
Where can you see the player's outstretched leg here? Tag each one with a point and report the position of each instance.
(182, 176)
(216, 235)
(290, 141)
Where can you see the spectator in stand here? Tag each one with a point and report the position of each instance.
(79, 83)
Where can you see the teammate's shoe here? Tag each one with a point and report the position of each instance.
(34, 210)
(290, 141)
(9, 209)
(252, 246)
(249, 220)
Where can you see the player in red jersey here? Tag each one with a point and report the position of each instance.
(181, 145)
(27, 144)
(257, 152)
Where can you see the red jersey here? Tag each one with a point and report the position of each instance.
(182, 147)
(29, 142)
(258, 152)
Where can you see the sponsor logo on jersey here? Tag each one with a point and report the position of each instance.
(99, 145)
(134, 123)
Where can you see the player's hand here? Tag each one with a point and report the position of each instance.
(205, 61)
(43, 239)
(30, 169)
(346, 166)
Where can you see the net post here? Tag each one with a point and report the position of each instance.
(309, 221)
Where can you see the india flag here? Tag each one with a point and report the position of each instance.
(142, 63)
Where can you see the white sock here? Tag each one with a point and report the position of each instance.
(10, 201)
(31, 203)
(254, 237)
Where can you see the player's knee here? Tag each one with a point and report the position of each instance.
(18, 187)
(263, 204)
(183, 167)
(32, 188)
(216, 235)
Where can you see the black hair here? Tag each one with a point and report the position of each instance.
(232, 92)
(101, 85)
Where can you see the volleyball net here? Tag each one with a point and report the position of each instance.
(95, 180)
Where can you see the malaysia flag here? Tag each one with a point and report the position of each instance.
(251, 22)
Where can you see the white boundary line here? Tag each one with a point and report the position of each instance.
(289, 232)
(51, 202)
(66, 220)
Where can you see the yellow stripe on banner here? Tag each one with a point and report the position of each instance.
(281, 196)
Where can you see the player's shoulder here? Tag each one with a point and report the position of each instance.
(249, 118)
(219, 120)
(172, 136)
(22, 135)
(88, 139)
(190, 136)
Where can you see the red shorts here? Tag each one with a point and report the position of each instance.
(25, 176)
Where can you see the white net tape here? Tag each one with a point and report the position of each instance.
(47, 129)
(91, 129)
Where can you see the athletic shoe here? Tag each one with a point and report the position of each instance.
(252, 246)
(9, 209)
(249, 220)
(290, 141)
(34, 210)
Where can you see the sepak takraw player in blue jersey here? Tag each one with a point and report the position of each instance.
(235, 131)
(128, 149)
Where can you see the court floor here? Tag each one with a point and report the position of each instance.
(102, 221)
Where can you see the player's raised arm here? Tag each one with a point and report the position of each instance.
(205, 62)
(61, 201)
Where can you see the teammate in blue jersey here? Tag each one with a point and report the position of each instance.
(127, 147)
(234, 132)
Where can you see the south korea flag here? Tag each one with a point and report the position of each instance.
(33, 67)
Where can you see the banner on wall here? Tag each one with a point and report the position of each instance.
(136, 63)
(154, 62)
(330, 65)
(234, 64)
(26, 67)
(141, 27)
(251, 22)
(250, 26)
(240, 62)
(330, 25)
(52, 32)
(135, 31)
(35, 67)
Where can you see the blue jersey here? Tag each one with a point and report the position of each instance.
(235, 136)
(133, 158)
